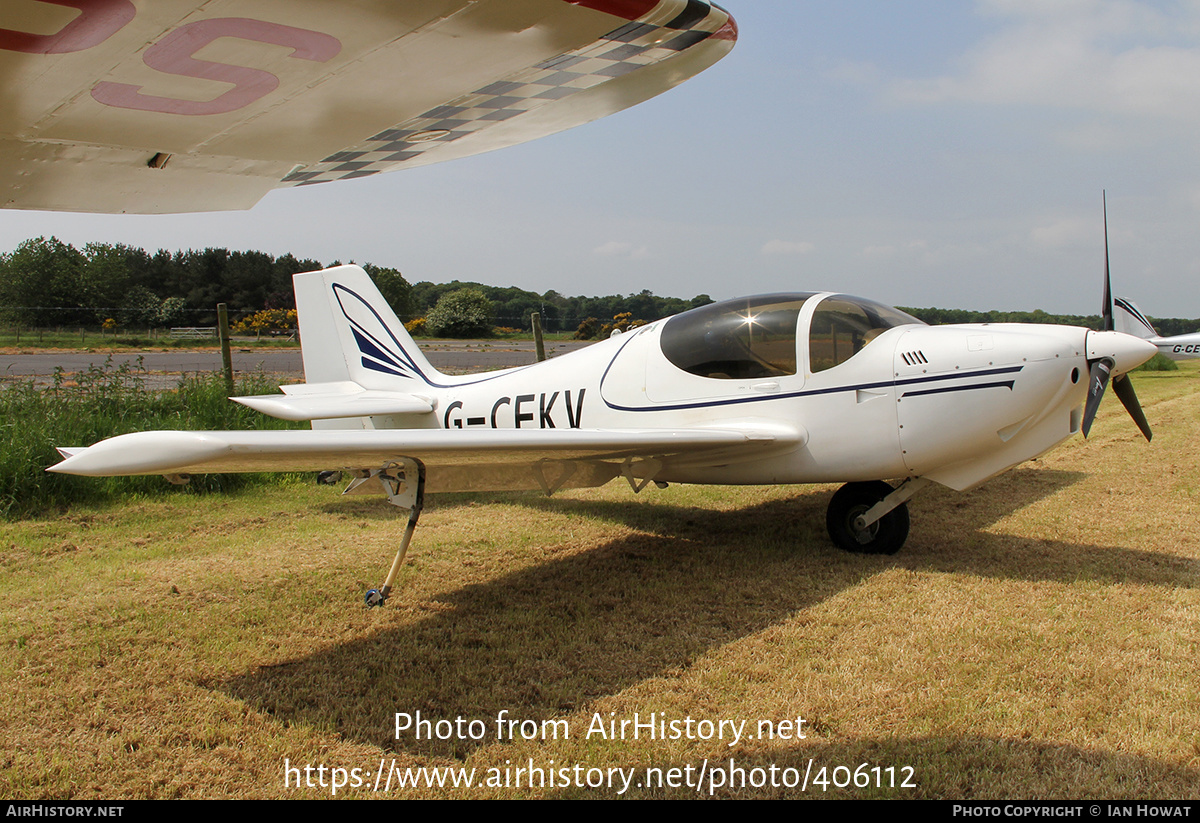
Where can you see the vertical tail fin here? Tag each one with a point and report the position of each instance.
(349, 332)
(1128, 318)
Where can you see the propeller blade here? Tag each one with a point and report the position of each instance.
(1098, 381)
(1123, 386)
(1101, 368)
(1106, 311)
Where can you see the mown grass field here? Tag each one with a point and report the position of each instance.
(1036, 638)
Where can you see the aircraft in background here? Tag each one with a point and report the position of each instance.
(808, 387)
(198, 105)
(1129, 319)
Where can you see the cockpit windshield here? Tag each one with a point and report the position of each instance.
(741, 339)
(755, 337)
(842, 326)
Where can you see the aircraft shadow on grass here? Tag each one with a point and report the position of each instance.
(549, 639)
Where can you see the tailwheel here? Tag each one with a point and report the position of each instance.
(846, 512)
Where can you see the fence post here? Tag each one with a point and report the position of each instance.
(535, 319)
(226, 354)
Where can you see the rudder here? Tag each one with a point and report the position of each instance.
(349, 332)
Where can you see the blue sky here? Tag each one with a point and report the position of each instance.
(919, 153)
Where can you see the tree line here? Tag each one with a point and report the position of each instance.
(1166, 326)
(45, 282)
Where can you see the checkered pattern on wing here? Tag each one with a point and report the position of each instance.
(617, 53)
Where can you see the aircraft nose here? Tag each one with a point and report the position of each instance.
(1126, 351)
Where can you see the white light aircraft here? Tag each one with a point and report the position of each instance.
(194, 105)
(810, 387)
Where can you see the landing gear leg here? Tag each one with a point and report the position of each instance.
(404, 483)
(871, 517)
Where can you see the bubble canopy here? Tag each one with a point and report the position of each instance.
(756, 337)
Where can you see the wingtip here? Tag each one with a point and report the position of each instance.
(66, 453)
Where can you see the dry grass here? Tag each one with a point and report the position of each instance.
(1036, 638)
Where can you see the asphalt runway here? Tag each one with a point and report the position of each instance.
(452, 356)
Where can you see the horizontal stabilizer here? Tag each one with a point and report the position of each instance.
(325, 401)
(176, 452)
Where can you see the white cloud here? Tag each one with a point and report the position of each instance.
(879, 251)
(854, 73)
(617, 248)
(787, 247)
(911, 248)
(1065, 233)
(1099, 55)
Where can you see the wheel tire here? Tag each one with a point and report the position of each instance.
(853, 499)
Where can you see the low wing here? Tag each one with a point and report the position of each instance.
(200, 105)
(455, 460)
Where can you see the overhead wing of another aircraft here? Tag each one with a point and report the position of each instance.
(199, 105)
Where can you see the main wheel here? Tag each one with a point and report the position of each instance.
(851, 501)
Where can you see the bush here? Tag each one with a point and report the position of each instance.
(588, 329)
(266, 320)
(1159, 362)
(461, 313)
(173, 312)
(139, 307)
(622, 322)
